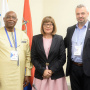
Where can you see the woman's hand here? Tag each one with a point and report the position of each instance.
(47, 74)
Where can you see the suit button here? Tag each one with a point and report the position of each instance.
(47, 64)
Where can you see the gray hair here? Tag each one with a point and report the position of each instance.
(81, 5)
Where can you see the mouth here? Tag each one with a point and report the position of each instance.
(80, 18)
(11, 23)
(47, 29)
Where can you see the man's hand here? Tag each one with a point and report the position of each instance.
(26, 81)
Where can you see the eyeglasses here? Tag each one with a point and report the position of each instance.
(13, 17)
(47, 25)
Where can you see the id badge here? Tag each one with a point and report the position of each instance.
(14, 55)
(77, 50)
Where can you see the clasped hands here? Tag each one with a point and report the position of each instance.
(47, 74)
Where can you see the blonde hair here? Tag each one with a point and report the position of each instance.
(46, 20)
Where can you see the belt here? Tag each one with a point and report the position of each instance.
(47, 64)
(78, 64)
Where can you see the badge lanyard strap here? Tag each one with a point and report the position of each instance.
(14, 43)
(13, 40)
(9, 38)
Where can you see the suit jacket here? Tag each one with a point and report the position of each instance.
(56, 57)
(86, 50)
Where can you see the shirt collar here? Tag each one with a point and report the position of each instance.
(86, 25)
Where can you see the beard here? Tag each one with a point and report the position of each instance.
(81, 21)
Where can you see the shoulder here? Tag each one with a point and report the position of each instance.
(21, 33)
(37, 36)
(2, 29)
(88, 23)
(58, 37)
(2, 32)
(71, 27)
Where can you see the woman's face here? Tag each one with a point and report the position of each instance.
(48, 28)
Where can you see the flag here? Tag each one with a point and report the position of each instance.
(27, 27)
(4, 9)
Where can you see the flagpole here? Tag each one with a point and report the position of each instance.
(27, 27)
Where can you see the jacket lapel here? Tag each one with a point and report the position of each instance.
(40, 44)
(71, 33)
(87, 34)
(53, 44)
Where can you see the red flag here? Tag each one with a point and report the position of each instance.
(27, 27)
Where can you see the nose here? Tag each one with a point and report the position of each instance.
(80, 15)
(10, 18)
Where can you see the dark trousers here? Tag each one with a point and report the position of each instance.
(79, 81)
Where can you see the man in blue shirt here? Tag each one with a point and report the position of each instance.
(77, 42)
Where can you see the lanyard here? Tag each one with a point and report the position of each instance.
(9, 38)
(15, 44)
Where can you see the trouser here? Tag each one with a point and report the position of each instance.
(79, 81)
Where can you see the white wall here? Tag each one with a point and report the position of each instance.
(63, 11)
(36, 12)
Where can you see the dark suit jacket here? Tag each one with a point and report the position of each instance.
(56, 57)
(86, 50)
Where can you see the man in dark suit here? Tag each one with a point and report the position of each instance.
(77, 42)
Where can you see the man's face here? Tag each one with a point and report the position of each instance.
(10, 19)
(82, 15)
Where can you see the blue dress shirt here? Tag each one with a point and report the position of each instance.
(78, 40)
